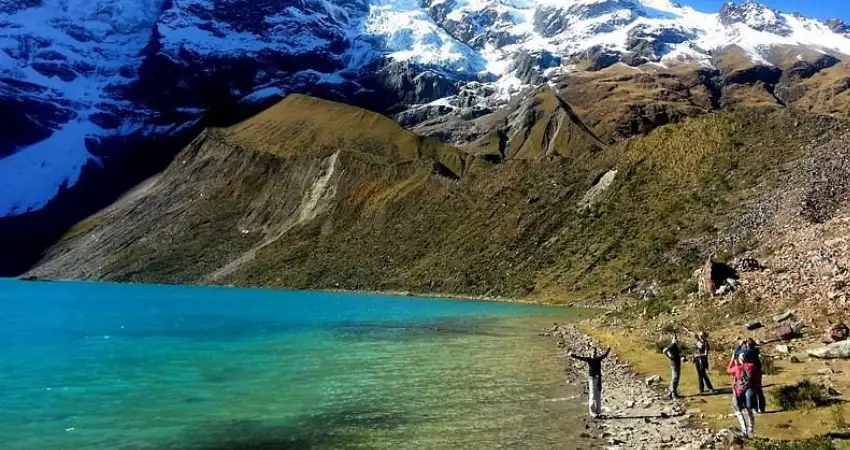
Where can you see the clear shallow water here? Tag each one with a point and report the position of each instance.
(105, 366)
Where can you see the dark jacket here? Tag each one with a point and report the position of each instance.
(594, 363)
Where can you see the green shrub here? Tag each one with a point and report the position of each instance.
(804, 394)
(740, 306)
(690, 287)
(656, 306)
(669, 328)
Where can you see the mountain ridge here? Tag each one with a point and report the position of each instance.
(81, 81)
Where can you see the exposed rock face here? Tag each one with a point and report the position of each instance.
(838, 26)
(411, 84)
(754, 15)
(529, 66)
(26, 116)
(646, 43)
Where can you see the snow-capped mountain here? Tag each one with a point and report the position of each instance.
(75, 71)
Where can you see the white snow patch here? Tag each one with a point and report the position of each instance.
(30, 178)
(263, 94)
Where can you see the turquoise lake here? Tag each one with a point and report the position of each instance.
(109, 366)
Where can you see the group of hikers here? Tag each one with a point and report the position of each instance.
(745, 368)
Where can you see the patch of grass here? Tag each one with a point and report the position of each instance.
(690, 287)
(838, 413)
(82, 228)
(803, 395)
(768, 366)
(741, 306)
(820, 443)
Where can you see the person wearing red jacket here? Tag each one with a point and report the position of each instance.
(746, 379)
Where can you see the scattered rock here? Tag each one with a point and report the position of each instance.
(826, 371)
(838, 332)
(783, 349)
(785, 332)
(749, 265)
(837, 350)
(734, 437)
(655, 379)
(833, 392)
(795, 360)
(753, 326)
(783, 317)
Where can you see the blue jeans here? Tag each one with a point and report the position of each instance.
(747, 400)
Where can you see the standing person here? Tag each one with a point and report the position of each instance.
(756, 383)
(743, 397)
(594, 380)
(701, 362)
(674, 354)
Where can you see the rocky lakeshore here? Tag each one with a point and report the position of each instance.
(636, 414)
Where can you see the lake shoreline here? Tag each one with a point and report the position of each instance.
(390, 293)
(635, 415)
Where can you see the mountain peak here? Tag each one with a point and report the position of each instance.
(755, 15)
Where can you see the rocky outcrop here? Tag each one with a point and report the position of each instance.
(28, 114)
(754, 15)
(837, 350)
(838, 26)
(529, 66)
(406, 83)
(645, 43)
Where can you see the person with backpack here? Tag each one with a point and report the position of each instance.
(594, 380)
(755, 356)
(701, 362)
(674, 353)
(743, 372)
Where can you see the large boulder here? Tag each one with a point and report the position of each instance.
(715, 275)
(837, 350)
(837, 333)
(785, 332)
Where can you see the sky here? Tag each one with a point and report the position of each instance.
(818, 9)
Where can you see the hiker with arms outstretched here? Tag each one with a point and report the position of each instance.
(594, 380)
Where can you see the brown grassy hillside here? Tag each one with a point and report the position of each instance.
(313, 194)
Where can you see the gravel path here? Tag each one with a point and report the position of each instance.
(635, 416)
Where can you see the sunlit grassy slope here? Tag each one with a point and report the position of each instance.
(314, 194)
